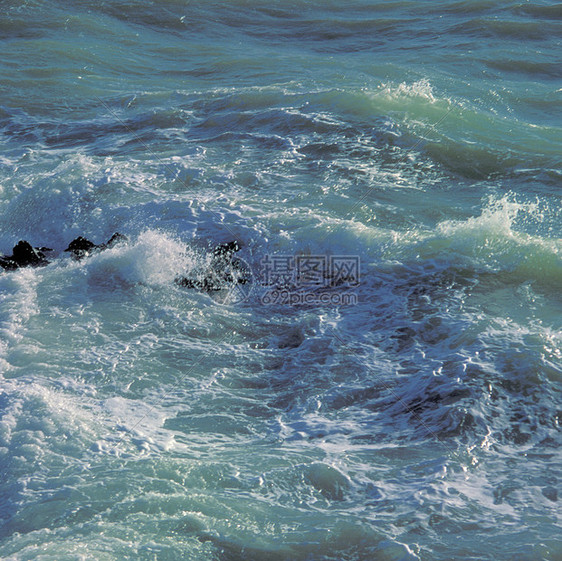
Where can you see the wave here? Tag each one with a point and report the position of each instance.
(497, 241)
(546, 11)
(529, 68)
(139, 419)
(393, 120)
(502, 28)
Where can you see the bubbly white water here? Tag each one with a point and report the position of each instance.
(418, 419)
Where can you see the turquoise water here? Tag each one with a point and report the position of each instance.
(410, 413)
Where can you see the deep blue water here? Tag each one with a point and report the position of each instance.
(387, 384)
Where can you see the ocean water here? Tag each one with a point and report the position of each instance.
(407, 411)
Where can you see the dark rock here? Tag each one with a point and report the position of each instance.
(117, 238)
(24, 255)
(223, 270)
(7, 264)
(82, 247)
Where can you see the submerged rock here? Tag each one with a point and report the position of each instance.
(224, 270)
(332, 483)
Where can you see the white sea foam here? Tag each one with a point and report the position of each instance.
(18, 293)
(153, 258)
(143, 420)
(420, 89)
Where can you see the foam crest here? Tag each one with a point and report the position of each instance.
(154, 259)
(496, 219)
(421, 89)
(497, 239)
